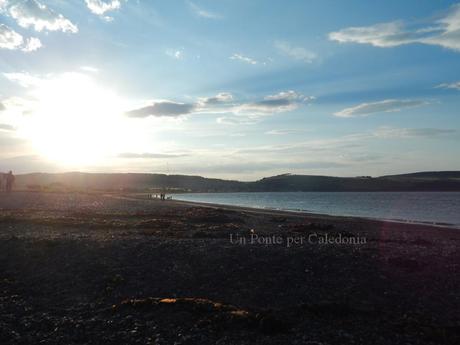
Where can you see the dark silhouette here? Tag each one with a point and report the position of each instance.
(9, 181)
(2, 177)
(425, 181)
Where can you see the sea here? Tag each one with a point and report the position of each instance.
(440, 208)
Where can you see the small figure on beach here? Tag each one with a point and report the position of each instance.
(9, 181)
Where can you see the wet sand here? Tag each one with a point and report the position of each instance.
(113, 269)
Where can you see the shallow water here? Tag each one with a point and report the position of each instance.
(431, 207)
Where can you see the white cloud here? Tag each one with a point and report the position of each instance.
(131, 155)
(389, 105)
(454, 85)
(175, 53)
(31, 13)
(10, 39)
(32, 44)
(444, 32)
(390, 132)
(289, 95)
(200, 12)
(235, 120)
(16, 106)
(100, 7)
(285, 131)
(89, 69)
(296, 53)
(3, 4)
(379, 35)
(23, 79)
(243, 58)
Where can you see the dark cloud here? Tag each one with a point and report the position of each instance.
(390, 132)
(281, 102)
(430, 132)
(252, 167)
(164, 108)
(7, 141)
(364, 157)
(273, 103)
(27, 164)
(224, 103)
(223, 97)
(150, 155)
(6, 127)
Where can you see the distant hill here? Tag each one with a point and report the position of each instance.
(428, 175)
(126, 182)
(77, 181)
(425, 181)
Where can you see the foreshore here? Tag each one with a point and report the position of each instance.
(95, 269)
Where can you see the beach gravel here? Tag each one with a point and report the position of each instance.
(80, 268)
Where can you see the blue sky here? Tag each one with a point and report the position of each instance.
(229, 88)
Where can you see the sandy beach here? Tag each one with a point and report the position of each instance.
(117, 269)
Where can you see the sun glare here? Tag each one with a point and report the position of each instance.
(75, 122)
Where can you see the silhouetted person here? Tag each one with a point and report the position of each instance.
(9, 181)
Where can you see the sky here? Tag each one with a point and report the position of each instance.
(231, 89)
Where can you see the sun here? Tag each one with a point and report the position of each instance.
(75, 121)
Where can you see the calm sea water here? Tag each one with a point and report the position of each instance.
(431, 207)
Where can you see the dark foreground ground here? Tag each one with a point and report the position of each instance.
(93, 269)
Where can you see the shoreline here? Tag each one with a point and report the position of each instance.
(302, 213)
(260, 210)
